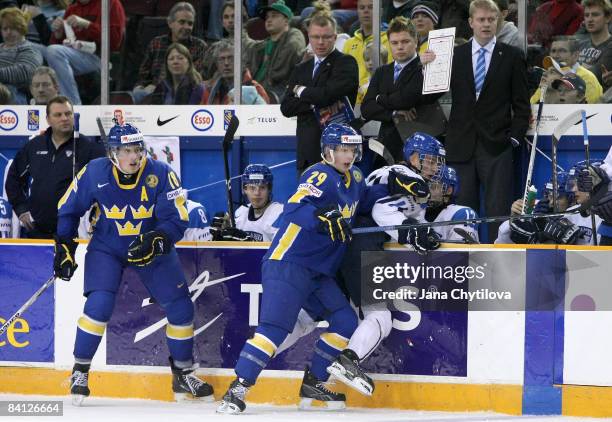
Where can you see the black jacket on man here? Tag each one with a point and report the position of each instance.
(46, 172)
(336, 77)
(502, 110)
(385, 96)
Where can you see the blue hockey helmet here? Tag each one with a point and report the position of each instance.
(336, 135)
(121, 136)
(257, 174)
(445, 178)
(432, 154)
(571, 184)
(562, 177)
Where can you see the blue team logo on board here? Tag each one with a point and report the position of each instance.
(8, 119)
(33, 120)
(202, 120)
(227, 116)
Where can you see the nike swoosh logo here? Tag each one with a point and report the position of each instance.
(100, 186)
(163, 122)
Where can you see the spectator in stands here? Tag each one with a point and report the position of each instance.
(564, 50)
(18, 58)
(44, 85)
(555, 17)
(455, 13)
(369, 64)
(272, 60)
(395, 8)
(182, 83)
(6, 97)
(42, 14)
(356, 45)
(227, 15)
(596, 52)
(318, 82)
(44, 168)
(489, 114)
(396, 87)
(72, 57)
(343, 11)
(220, 90)
(424, 16)
(570, 89)
(507, 32)
(152, 69)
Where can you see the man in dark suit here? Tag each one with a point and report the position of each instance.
(318, 82)
(489, 115)
(396, 87)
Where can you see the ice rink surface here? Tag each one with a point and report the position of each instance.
(103, 409)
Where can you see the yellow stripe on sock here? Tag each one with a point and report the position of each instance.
(91, 326)
(179, 332)
(335, 340)
(263, 343)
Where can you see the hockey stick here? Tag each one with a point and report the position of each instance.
(467, 237)
(559, 131)
(102, 131)
(26, 305)
(232, 127)
(532, 156)
(76, 135)
(378, 148)
(587, 153)
(480, 220)
(543, 154)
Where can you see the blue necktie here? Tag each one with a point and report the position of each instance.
(481, 71)
(396, 71)
(316, 67)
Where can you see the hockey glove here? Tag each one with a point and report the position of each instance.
(542, 207)
(561, 231)
(233, 234)
(422, 239)
(143, 250)
(216, 227)
(332, 223)
(603, 208)
(401, 184)
(523, 231)
(590, 178)
(64, 261)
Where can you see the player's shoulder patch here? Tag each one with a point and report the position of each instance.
(357, 175)
(152, 181)
(310, 189)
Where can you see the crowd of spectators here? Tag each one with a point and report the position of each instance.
(65, 36)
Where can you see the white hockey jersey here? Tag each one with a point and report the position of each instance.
(456, 212)
(261, 229)
(6, 215)
(607, 165)
(393, 210)
(584, 223)
(199, 226)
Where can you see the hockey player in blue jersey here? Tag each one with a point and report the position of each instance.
(299, 268)
(142, 215)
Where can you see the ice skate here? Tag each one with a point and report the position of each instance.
(315, 395)
(186, 386)
(79, 388)
(347, 370)
(233, 400)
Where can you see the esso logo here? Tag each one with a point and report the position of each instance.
(8, 120)
(202, 120)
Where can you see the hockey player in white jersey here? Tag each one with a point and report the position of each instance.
(424, 156)
(596, 182)
(198, 229)
(255, 221)
(443, 190)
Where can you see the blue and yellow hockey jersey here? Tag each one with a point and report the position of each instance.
(320, 186)
(153, 202)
